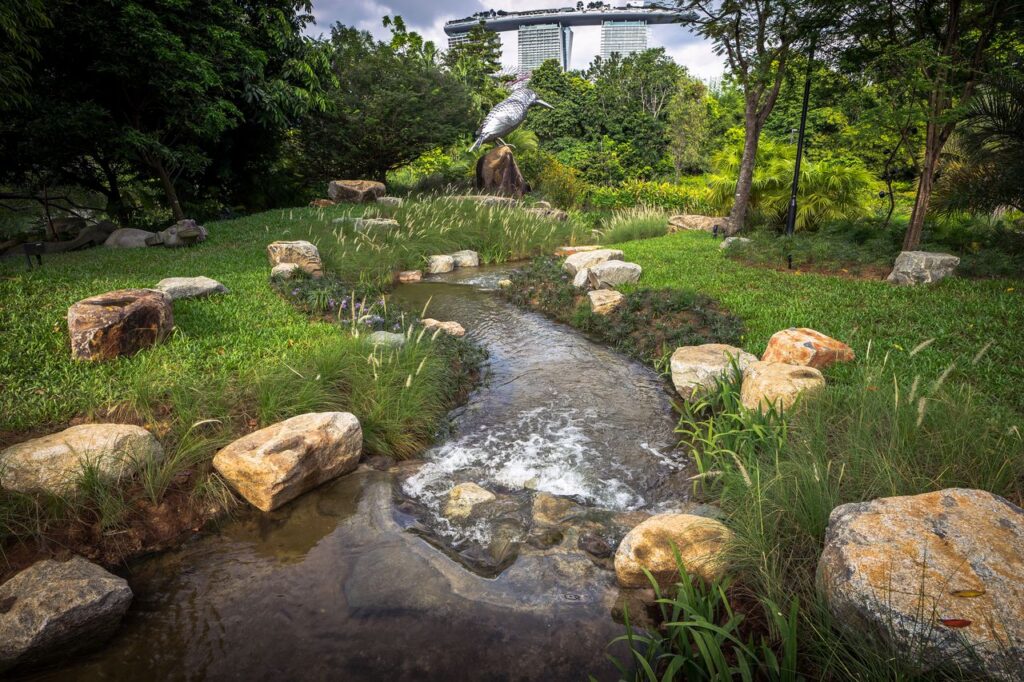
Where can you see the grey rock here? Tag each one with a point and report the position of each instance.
(613, 273)
(587, 259)
(922, 267)
(466, 259)
(439, 265)
(284, 270)
(54, 609)
(394, 202)
(697, 369)
(190, 287)
(581, 280)
(368, 224)
(302, 253)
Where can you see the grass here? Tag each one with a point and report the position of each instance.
(239, 361)
(641, 222)
(958, 317)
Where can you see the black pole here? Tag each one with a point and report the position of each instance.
(791, 217)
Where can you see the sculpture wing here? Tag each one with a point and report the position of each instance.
(503, 118)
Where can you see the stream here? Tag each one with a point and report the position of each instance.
(366, 578)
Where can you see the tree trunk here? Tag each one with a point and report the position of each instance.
(745, 179)
(168, 184)
(933, 149)
(115, 202)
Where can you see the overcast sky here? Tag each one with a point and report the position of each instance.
(428, 17)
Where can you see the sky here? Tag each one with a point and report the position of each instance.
(427, 17)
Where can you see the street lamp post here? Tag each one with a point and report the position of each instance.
(791, 217)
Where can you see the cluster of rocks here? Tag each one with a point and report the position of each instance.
(185, 232)
(790, 366)
(598, 272)
(288, 257)
(441, 264)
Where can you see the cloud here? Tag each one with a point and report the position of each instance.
(429, 16)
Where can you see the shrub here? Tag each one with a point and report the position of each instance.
(641, 222)
(561, 184)
(691, 196)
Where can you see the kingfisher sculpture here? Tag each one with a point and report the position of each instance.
(507, 115)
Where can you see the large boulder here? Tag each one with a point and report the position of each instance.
(498, 172)
(587, 259)
(931, 573)
(185, 232)
(439, 265)
(697, 369)
(302, 253)
(604, 301)
(466, 259)
(463, 498)
(701, 542)
(120, 322)
(190, 287)
(54, 463)
(613, 273)
(274, 465)
(701, 223)
(128, 238)
(355, 191)
(922, 267)
(776, 383)
(55, 609)
(802, 346)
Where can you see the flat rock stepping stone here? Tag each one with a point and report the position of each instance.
(931, 573)
(701, 542)
(355, 191)
(696, 370)
(389, 339)
(922, 267)
(439, 265)
(54, 609)
(778, 384)
(117, 323)
(588, 259)
(613, 273)
(274, 465)
(302, 253)
(190, 287)
(604, 301)
(54, 463)
(802, 346)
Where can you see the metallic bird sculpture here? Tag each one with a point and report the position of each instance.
(506, 116)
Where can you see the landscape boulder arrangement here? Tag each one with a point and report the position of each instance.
(802, 346)
(613, 273)
(463, 498)
(393, 202)
(932, 573)
(190, 287)
(54, 463)
(355, 191)
(701, 542)
(498, 172)
(702, 223)
(118, 323)
(55, 609)
(922, 267)
(586, 259)
(604, 301)
(696, 370)
(274, 465)
(776, 383)
(410, 276)
(368, 224)
(302, 253)
(451, 328)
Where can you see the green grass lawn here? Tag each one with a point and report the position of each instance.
(961, 317)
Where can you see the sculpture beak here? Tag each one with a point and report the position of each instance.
(542, 103)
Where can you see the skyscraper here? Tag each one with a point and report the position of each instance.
(541, 42)
(457, 39)
(623, 37)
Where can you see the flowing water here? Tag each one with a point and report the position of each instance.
(365, 578)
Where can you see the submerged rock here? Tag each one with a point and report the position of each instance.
(410, 276)
(274, 465)
(701, 543)
(932, 573)
(55, 609)
(449, 327)
(117, 323)
(190, 287)
(778, 384)
(802, 346)
(464, 497)
(588, 259)
(54, 463)
(302, 253)
(922, 267)
(697, 369)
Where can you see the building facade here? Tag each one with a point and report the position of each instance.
(541, 42)
(623, 38)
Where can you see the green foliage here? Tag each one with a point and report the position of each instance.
(689, 125)
(474, 62)
(640, 222)
(830, 189)
(21, 22)
(392, 104)
(692, 195)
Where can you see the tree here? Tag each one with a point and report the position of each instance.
(689, 125)
(758, 38)
(391, 104)
(475, 62)
(940, 50)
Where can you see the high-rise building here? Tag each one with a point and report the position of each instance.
(541, 42)
(623, 37)
(457, 39)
